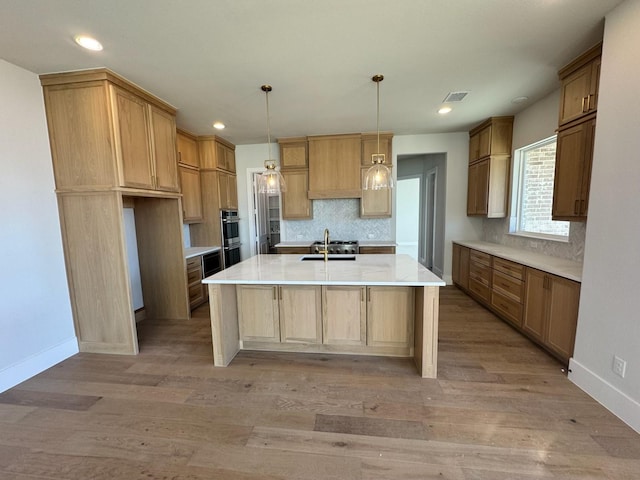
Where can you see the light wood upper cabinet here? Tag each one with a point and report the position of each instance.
(344, 315)
(293, 152)
(574, 154)
(370, 146)
(300, 314)
(133, 148)
(489, 161)
(227, 191)
(216, 153)
(390, 316)
(295, 202)
(187, 150)
(145, 143)
(334, 166)
(491, 137)
(191, 195)
(163, 137)
(580, 81)
(577, 123)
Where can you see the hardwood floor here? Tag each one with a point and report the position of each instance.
(500, 409)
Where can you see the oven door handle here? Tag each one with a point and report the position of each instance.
(234, 247)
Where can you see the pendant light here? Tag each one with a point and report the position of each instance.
(378, 176)
(271, 181)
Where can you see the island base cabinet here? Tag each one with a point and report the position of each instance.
(390, 315)
(258, 313)
(344, 315)
(300, 314)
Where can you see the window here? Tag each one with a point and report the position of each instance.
(534, 167)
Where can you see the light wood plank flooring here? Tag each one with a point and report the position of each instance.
(500, 409)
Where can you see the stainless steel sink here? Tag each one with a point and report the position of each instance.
(330, 257)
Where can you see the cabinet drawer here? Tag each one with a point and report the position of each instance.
(194, 262)
(196, 294)
(507, 307)
(480, 290)
(480, 272)
(194, 276)
(510, 268)
(480, 257)
(507, 286)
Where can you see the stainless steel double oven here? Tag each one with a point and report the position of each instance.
(230, 228)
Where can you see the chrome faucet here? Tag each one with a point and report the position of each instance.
(326, 245)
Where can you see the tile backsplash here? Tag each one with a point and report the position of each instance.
(342, 218)
(496, 230)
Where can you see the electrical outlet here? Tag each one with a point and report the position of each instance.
(619, 366)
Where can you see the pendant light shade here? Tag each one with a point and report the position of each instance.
(270, 181)
(378, 176)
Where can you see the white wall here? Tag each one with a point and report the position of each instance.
(36, 326)
(456, 147)
(609, 319)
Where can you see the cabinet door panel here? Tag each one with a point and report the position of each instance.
(187, 150)
(575, 95)
(132, 139)
(191, 195)
(474, 144)
(295, 203)
(472, 186)
(301, 314)
(482, 188)
(163, 130)
(564, 297)
(344, 315)
(258, 312)
(535, 312)
(570, 159)
(484, 142)
(390, 315)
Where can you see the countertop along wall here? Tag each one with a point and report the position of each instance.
(36, 324)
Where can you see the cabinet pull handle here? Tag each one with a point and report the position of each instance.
(576, 207)
(589, 105)
(180, 157)
(585, 104)
(275, 294)
(582, 207)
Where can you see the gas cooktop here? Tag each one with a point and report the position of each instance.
(337, 246)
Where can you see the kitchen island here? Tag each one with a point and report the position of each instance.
(367, 305)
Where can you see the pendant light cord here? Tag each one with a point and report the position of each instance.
(378, 115)
(266, 89)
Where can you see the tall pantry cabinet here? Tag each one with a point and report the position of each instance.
(112, 142)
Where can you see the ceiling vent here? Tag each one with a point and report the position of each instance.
(455, 97)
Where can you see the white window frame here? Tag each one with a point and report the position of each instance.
(516, 195)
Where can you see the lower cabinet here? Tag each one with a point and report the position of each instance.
(293, 250)
(551, 311)
(345, 320)
(386, 307)
(300, 313)
(390, 249)
(194, 282)
(341, 316)
(542, 306)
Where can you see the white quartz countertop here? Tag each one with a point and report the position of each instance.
(195, 251)
(557, 266)
(390, 270)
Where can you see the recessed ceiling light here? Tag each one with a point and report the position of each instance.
(519, 99)
(444, 110)
(219, 125)
(87, 42)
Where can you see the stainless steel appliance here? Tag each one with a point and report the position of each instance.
(229, 225)
(211, 263)
(337, 246)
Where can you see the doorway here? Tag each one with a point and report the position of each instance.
(264, 225)
(420, 207)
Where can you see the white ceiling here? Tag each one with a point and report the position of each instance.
(210, 57)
